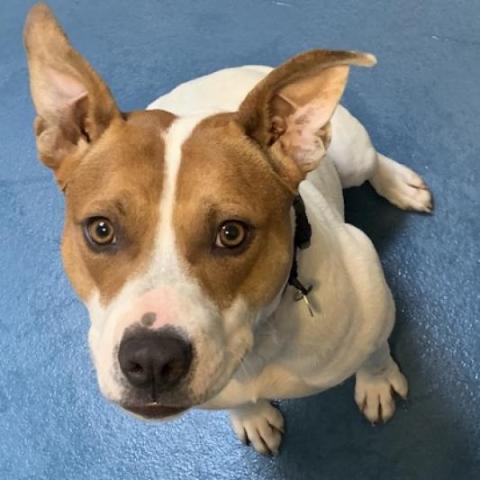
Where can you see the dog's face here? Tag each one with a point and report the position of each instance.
(178, 234)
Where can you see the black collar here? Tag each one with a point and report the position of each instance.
(301, 240)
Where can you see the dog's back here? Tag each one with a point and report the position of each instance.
(221, 91)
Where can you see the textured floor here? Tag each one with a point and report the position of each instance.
(421, 105)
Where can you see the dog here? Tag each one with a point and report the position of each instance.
(206, 235)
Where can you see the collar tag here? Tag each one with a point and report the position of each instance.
(302, 294)
(309, 305)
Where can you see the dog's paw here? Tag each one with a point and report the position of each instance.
(374, 394)
(260, 425)
(402, 186)
(409, 192)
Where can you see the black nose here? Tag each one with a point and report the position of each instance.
(154, 360)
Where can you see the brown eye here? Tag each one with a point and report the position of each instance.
(100, 231)
(231, 234)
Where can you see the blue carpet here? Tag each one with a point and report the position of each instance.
(422, 107)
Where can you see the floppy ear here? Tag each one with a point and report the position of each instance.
(289, 111)
(73, 104)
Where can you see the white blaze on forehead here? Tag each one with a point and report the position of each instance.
(165, 255)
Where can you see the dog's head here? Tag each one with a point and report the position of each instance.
(177, 235)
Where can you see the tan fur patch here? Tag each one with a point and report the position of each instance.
(223, 176)
(120, 178)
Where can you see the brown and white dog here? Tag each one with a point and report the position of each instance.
(179, 234)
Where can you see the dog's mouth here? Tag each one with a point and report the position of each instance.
(154, 410)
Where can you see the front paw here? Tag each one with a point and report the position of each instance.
(259, 424)
(374, 393)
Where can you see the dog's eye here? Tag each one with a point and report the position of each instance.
(100, 232)
(231, 234)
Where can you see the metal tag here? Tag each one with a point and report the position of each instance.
(299, 295)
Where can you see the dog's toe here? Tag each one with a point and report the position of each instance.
(259, 424)
(374, 394)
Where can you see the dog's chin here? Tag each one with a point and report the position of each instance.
(154, 411)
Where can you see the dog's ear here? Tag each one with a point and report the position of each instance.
(289, 111)
(73, 104)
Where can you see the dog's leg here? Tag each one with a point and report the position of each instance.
(400, 185)
(357, 161)
(259, 424)
(376, 382)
